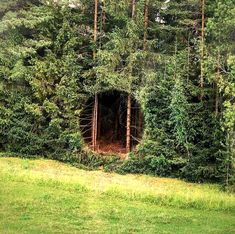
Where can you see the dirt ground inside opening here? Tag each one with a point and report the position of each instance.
(111, 123)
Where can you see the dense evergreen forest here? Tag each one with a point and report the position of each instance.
(154, 77)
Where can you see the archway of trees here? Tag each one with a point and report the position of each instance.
(112, 119)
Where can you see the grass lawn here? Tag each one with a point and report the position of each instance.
(44, 196)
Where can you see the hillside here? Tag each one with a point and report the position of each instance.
(45, 196)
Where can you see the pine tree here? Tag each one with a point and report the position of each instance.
(221, 73)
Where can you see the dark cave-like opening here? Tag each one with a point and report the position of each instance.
(112, 122)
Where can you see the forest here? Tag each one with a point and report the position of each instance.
(133, 86)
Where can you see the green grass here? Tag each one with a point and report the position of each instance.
(44, 196)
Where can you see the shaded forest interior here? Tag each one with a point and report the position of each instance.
(112, 122)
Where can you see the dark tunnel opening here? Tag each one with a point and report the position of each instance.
(112, 122)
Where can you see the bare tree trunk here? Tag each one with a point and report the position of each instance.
(128, 124)
(133, 9)
(128, 127)
(95, 108)
(145, 23)
(140, 123)
(202, 48)
(95, 25)
(94, 123)
(99, 120)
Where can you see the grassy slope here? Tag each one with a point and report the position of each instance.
(43, 196)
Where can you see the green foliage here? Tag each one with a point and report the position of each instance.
(179, 115)
(47, 73)
(221, 59)
(43, 80)
(148, 165)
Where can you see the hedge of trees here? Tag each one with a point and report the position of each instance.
(176, 58)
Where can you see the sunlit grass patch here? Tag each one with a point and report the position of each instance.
(47, 196)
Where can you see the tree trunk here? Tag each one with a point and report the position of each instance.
(103, 16)
(216, 87)
(133, 9)
(128, 127)
(94, 123)
(95, 26)
(128, 124)
(202, 48)
(145, 24)
(99, 120)
(140, 121)
(95, 107)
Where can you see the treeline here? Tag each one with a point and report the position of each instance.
(176, 58)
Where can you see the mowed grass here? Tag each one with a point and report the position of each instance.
(45, 196)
